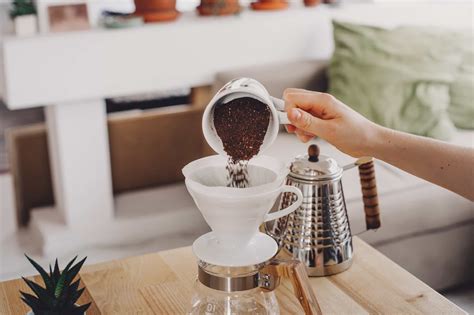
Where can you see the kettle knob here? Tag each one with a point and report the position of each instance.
(313, 153)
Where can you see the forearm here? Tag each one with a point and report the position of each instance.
(444, 164)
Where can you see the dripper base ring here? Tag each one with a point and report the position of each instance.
(228, 284)
(258, 279)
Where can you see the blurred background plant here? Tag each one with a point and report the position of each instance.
(22, 7)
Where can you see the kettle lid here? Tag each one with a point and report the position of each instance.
(313, 166)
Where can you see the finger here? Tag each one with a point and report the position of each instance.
(320, 104)
(290, 128)
(290, 91)
(306, 122)
(303, 136)
(306, 139)
(294, 90)
(303, 133)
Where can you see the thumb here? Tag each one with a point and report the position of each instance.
(305, 121)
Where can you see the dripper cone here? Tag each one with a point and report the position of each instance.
(235, 214)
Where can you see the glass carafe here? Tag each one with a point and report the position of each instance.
(249, 289)
(250, 302)
(231, 290)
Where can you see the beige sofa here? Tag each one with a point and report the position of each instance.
(426, 229)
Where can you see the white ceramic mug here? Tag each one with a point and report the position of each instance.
(238, 88)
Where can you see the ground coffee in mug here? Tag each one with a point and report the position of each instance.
(241, 124)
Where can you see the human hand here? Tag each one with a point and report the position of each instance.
(320, 114)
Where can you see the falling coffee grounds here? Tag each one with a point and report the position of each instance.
(237, 174)
(241, 124)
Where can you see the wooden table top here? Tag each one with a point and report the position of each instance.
(161, 283)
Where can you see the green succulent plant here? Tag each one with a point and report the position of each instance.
(22, 7)
(60, 294)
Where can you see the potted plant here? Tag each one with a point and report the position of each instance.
(60, 293)
(218, 7)
(23, 13)
(269, 5)
(156, 10)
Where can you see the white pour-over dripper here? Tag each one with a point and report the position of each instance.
(238, 88)
(235, 214)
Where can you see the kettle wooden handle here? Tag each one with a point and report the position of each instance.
(295, 271)
(369, 195)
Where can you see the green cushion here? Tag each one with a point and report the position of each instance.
(397, 78)
(461, 109)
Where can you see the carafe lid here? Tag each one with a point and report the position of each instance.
(314, 167)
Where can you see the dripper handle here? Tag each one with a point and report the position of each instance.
(280, 107)
(283, 212)
(295, 271)
(369, 195)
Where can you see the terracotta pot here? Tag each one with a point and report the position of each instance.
(311, 3)
(269, 5)
(156, 10)
(154, 5)
(218, 7)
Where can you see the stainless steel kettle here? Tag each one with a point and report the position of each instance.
(318, 232)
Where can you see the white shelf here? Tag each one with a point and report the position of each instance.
(59, 68)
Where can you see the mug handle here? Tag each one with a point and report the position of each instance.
(283, 212)
(280, 107)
